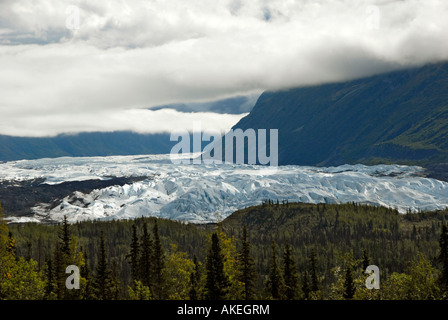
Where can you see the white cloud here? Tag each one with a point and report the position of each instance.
(137, 54)
(137, 120)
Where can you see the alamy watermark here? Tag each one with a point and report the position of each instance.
(72, 281)
(373, 17)
(72, 21)
(373, 281)
(236, 146)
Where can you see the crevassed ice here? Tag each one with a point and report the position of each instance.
(208, 193)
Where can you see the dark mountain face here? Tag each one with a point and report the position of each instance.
(19, 197)
(84, 145)
(399, 117)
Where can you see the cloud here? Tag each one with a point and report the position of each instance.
(136, 120)
(135, 54)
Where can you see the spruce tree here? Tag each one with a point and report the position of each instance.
(144, 263)
(86, 274)
(102, 278)
(313, 272)
(29, 250)
(349, 285)
(65, 238)
(306, 285)
(133, 256)
(49, 277)
(274, 282)
(248, 273)
(365, 260)
(39, 253)
(158, 265)
(195, 280)
(115, 282)
(59, 272)
(443, 259)
(289, 273)
(217, 282)
(63, 258)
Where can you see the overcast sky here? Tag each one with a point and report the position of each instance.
(80, 65)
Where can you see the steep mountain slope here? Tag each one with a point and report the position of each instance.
(399, 117)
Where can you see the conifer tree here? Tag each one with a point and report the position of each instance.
(65, 238)
(306, 285)
(62, 259)
(29, 246)
(443, 259)
(248, 273)
(349, 284)
(289, 273)
(86, 273)
(49, 277)
(144, 262)
(59, 272)
(114, 282)
(217, 282)
(274, 282)
(195, 280)
(313, 272)
(158, 265)
(39, 252)
(133, 256)
(102, 278)
(365, 260)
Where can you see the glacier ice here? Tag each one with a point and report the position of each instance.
(205, 193)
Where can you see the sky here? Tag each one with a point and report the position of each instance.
(77, 65)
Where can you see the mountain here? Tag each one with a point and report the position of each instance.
(88, 144)
(83, 145)
(397, 117)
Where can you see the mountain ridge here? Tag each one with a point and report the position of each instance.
(86, 144)
(396, 117)
(83, 145)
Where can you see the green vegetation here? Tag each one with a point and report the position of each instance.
(397, 117)
(270, 251)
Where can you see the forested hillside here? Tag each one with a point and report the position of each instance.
(277, 250)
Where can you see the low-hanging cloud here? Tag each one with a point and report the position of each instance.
(137, 120)
(124, 56)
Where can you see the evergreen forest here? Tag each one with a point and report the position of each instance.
(277, 250)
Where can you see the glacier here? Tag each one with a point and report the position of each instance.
(207, 193)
